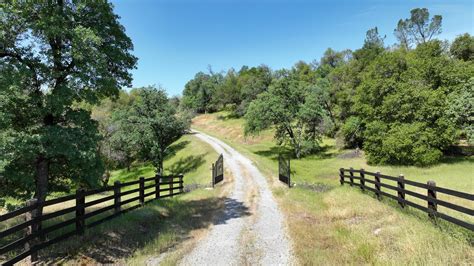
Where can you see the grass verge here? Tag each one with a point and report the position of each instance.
(333, 224)
(158, 231)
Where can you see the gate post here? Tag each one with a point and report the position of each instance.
(289, 174)
(213, 176)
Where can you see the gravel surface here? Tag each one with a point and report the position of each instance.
(250, 230)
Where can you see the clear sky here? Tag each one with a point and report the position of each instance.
(174, 39)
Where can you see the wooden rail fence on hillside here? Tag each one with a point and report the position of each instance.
(40, 231)
(431, 198)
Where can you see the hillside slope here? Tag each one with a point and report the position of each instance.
(328, 222)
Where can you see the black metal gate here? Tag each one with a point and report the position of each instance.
(218, 170)
(284, 170)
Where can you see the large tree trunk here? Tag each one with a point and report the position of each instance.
(41, 178)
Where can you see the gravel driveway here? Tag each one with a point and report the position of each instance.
(250, 230)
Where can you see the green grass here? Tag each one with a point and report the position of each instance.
(188, 156)
(344, 225)
(146, 232)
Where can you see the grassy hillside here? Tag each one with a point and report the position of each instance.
(340, 224)
(188, 156)
(172, 224)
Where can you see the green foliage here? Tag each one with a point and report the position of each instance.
(149, 126)
(293, 107)
(198, 92)
(53, 57)
(461, 110)
(352, 132)
(402, 100)
(418, 28)
(463, 47)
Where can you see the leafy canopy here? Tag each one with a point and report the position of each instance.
(293, 107)
(55, 55)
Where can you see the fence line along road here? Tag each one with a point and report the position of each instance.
(78, 217)
(359, 178)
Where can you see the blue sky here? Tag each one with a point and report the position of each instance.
(175, 39)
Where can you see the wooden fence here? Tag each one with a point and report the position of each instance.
(360, 178)
(218, 170)
(36, 232)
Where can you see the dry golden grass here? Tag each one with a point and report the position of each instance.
(341, 225)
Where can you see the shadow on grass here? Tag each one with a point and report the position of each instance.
(272, 153)
(457, 159)
(175, 148)
(187, 164)
(160, 225)
(230, 115)
(135, 172)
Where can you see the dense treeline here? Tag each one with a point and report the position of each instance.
(403, 104)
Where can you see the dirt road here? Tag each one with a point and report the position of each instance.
(250, 230)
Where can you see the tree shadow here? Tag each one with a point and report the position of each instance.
(273, 152)
(457, 159)
(187, 164)
(162, 219)
(228, 116)
(175, 148)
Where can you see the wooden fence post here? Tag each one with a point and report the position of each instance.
(171, 185)
(362, 179)
(80, 211)
(117, 200)
(289, 173)
(432, 204)
(32, 229)
(213, 176)
(157, 186)
(181, 183)
(351, 178)
(377, 185)
(142, 191)
(341, 176)
(401, 190)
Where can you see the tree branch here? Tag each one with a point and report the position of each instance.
(28, 64)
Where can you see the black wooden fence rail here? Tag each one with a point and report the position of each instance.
(77, 218)
(348, 176)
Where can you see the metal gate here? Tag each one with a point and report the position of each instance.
(284, 170)
(218, 170)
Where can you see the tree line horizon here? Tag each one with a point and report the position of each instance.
(404, 104)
